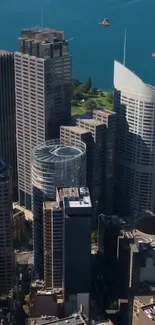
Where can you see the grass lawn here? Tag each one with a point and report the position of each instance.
(101, 102)
(78, 110)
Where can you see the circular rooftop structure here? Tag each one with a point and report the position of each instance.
(56, 165)
(67, 151)
(146, 225)
(53, 151)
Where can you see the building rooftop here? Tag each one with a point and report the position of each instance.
(106, 322)
(114, 219)
(51, 205)
(149, 310)
(41, 288)
(42, 35)
(145, 240)
(76, 319)
(24, 257)
(4, 52)
(53, 152)
(75, 197)
(28, 214)
(103, 112)
(76, 129)
(90, 121)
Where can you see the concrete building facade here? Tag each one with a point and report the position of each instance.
(134, 103)
(6, 231)
(92, 132)
(53, 232)
(8, 115)
(43, 96)
(99, 135)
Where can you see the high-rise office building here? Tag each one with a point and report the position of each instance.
(6, 230)
(53, 243)
(99, 135)
(95, 153)
(43, 96)
(134, 102)
(8, 115)
(72, 134)
(108, 118)
(53, 165)
(67, 246)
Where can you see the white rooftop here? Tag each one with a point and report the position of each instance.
(84, 202)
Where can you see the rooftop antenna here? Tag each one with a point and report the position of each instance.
(124, 51)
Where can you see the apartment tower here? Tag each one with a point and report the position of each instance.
(8, 115)
(134, 102)
(6, 233)
(43, 96)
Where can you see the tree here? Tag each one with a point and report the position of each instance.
(94, 91)
(78, 95)
(109, 98)
(88, 85)
(82, 88)
(74, 102)
(90, 104)
(75, 83)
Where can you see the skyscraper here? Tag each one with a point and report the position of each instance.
(6, 233)
(67, 245)
(43, 96)
(53, 165)
(99, 134)
(8, 115)
(134, 102)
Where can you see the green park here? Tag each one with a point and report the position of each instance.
(85, 98)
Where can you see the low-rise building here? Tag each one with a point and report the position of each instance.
(45, 302)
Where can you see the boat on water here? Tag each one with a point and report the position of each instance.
(105, 22)
(153, 54)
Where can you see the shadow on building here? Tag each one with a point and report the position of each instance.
(134, 180)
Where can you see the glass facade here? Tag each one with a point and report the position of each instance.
(51, 170)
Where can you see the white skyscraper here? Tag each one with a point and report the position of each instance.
(134, 102)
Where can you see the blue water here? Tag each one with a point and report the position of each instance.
(94, 48)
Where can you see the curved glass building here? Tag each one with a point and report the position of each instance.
(6, 235)
(53, 165)
(134, 102)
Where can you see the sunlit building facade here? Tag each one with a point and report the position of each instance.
(134, 102)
